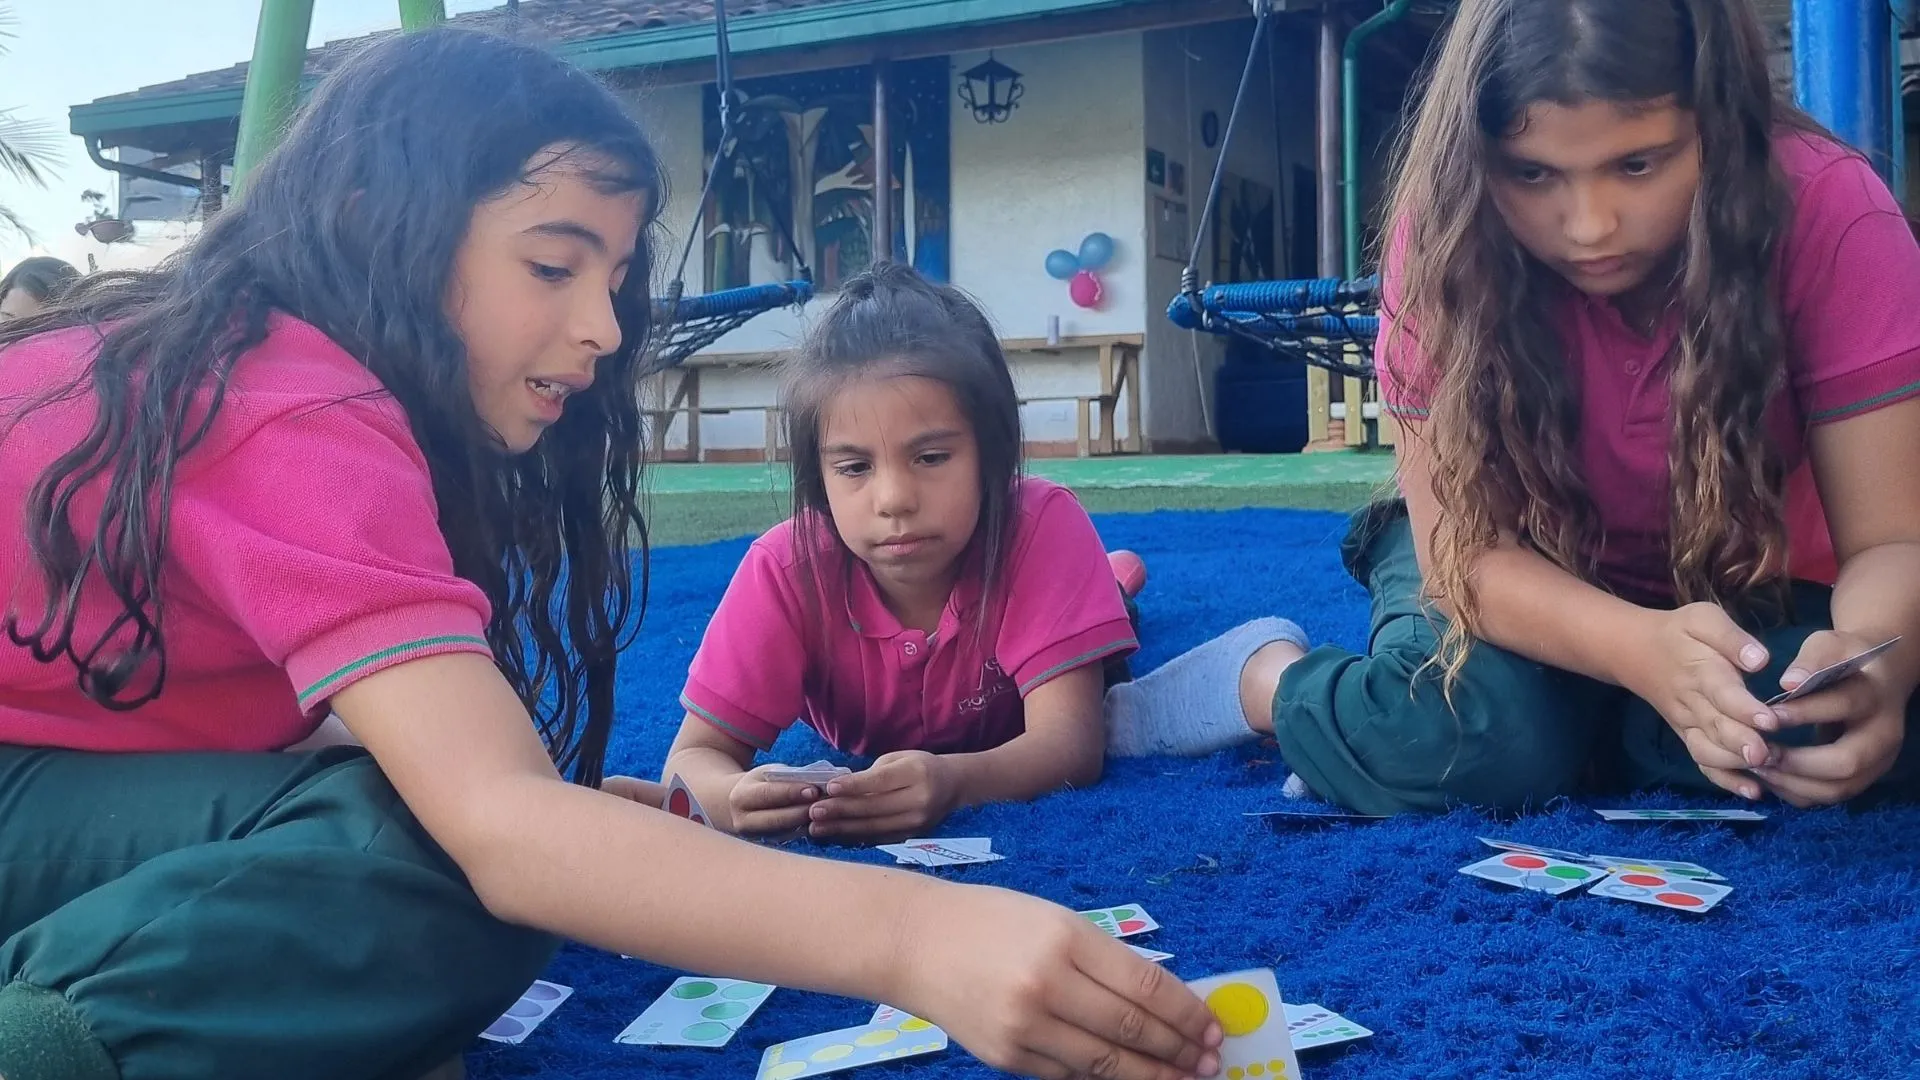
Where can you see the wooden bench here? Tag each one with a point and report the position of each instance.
(674, 395)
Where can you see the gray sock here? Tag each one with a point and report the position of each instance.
(1190, 706)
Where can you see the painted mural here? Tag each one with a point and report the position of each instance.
(804, 168)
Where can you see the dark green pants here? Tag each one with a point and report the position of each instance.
(1374, 733)
(167, 916)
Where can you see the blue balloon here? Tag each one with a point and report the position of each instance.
(1061, 265)
(1096, 251)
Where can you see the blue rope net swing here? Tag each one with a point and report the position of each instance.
(1323, 322)
(683, 325)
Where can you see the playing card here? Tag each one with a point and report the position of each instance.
(1681, 815)
(696, 1012)
(1536, 872)
(526, 1014)
(1827, 676)
(1529, 849)
(1663, 890)
(1308, 819)
(681, 803)
(1124, 921)
(1616, 863)
(1310, 1026)
(817, 773)
(898, 1037)
(1253, 1018)
(942, 852)
(981, 844)
(1154, 955)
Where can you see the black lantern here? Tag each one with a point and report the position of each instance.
(992, 90)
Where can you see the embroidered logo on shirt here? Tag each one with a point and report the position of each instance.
(993, 683)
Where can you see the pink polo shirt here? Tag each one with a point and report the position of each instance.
(890, 688)
(303, 553)
(1849, 285)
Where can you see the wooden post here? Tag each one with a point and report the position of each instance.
(1332, 260)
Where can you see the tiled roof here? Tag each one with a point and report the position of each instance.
(554, 21)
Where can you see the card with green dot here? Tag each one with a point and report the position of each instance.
(696, 1012)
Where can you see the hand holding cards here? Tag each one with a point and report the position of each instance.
(1833, 673)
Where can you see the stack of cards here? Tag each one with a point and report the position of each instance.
(1681, 815)
(951, 851)
(817, 773)
(1255, 1023)
(696, 1012)
(1681, 886)
(889, 1036)
(526, 1014)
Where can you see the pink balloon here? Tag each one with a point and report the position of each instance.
(1085, 289)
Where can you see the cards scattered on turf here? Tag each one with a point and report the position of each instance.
(1662, 890)
(1681, 815)
(1540, 873)
(1311, 1026)
(696, 1012)
(1254, 1020)
(1123, 921)
(891, 1035)
(951, 851)
(526, 1014)
(681, 803)
(817, 773)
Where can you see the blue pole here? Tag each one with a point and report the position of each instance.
(1842, 71)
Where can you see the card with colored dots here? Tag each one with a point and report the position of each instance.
(1311, 1026)
(958, 851)
(1254, 1020)
(1123, 921)
(1529, 849)
(1615, 863)
(899, 1036)
(681, 803)
(696, 1012)
(1663, 890)
(526, 1014)
(1681, 815)
(1539, 873)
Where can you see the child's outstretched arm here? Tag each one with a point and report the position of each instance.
(908, 791)
(736, 797)
(1025, 985)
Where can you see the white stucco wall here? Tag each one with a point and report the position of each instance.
(1070, 161)
(1187, 73)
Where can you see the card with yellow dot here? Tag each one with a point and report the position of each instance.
(892, 1035)
(1254, 1020)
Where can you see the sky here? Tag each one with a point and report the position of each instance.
(61, 53)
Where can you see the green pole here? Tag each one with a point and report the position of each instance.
(273, 83)
(1350, 123)
(420, 14)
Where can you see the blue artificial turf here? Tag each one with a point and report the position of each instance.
(1811, 969)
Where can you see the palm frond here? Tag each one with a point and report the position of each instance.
(11, 220)
(28, 148)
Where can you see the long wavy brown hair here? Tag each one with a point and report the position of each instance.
(1504, 414)
(352, 226)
